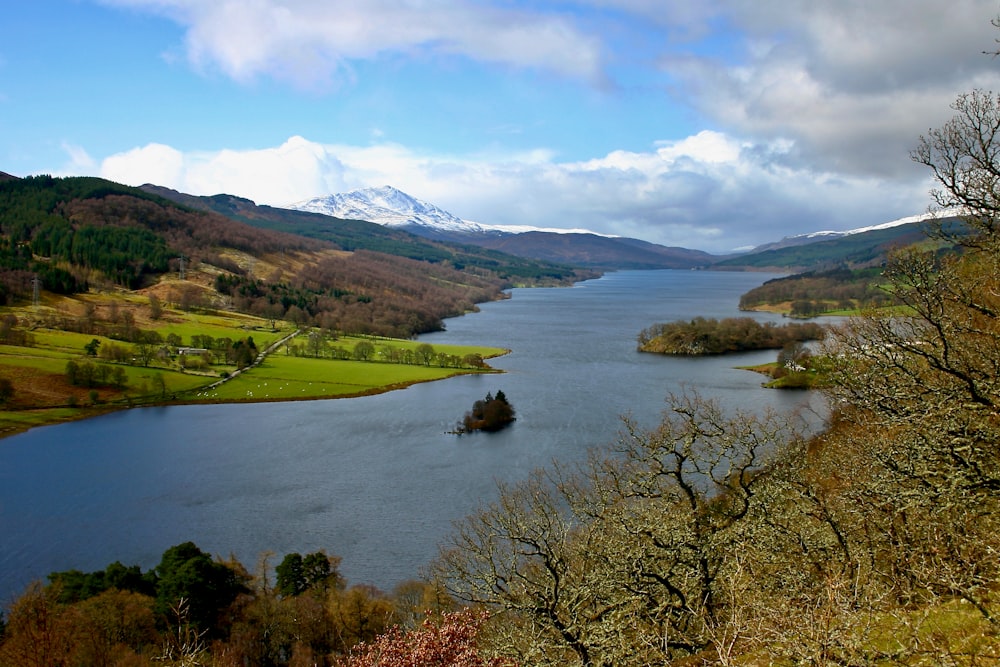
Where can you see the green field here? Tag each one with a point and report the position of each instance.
(42, 393)
(283, 377)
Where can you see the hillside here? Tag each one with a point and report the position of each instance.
(857, 250)
(838, 272)
(79, 233)
(597, 252)
(351, 235)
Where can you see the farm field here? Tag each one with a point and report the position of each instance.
(296, 378)
(50, 374)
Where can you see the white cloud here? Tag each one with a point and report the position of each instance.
(852, 82)
(153, 163)
(268, 176)
(708, 191)
(848, 85)
(706, 146)
(311, 42)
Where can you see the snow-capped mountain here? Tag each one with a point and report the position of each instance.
(885, 225)
(392, 208)
(386, 206)
(579, 247)
(803, 239)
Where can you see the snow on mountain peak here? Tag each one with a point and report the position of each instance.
(885, 225)
(923, 217)
(390, 207)
(386, 206)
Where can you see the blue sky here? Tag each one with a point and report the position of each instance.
(715, 125)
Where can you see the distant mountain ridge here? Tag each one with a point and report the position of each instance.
(418, 230)
(595, 251)
(814, 237)
(856, 249)
(390, 207)
(388, 211)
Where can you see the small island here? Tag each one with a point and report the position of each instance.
(489, 414)
(707, 336)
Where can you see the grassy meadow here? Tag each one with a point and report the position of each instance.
(39, 390)
(283, 378)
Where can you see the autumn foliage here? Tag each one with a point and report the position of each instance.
(76, 233)
(193, 609)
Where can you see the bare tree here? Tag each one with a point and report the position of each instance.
(926, 386)
(621, 560)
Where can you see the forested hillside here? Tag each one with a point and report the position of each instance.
(862, 250)
(361, 235)
(818, 292)
(77, 233)
(98, 230)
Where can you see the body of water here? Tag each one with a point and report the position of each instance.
(376, 480)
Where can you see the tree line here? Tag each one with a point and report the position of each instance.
(321, 344)
(19, 269)
(193, 609)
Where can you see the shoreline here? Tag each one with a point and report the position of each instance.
(71, 414)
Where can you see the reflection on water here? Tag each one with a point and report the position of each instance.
(377, 480)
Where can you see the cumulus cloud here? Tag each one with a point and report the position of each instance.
(815, 107)
(852, 82)
(708, 191)
(268, 176)
(153, 163)
(312, 42)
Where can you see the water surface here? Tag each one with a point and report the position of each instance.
(376, 480)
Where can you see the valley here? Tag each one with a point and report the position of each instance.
(166, 271)
(499, 334)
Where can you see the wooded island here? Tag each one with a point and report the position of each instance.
(490, 414)
(703, 336)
